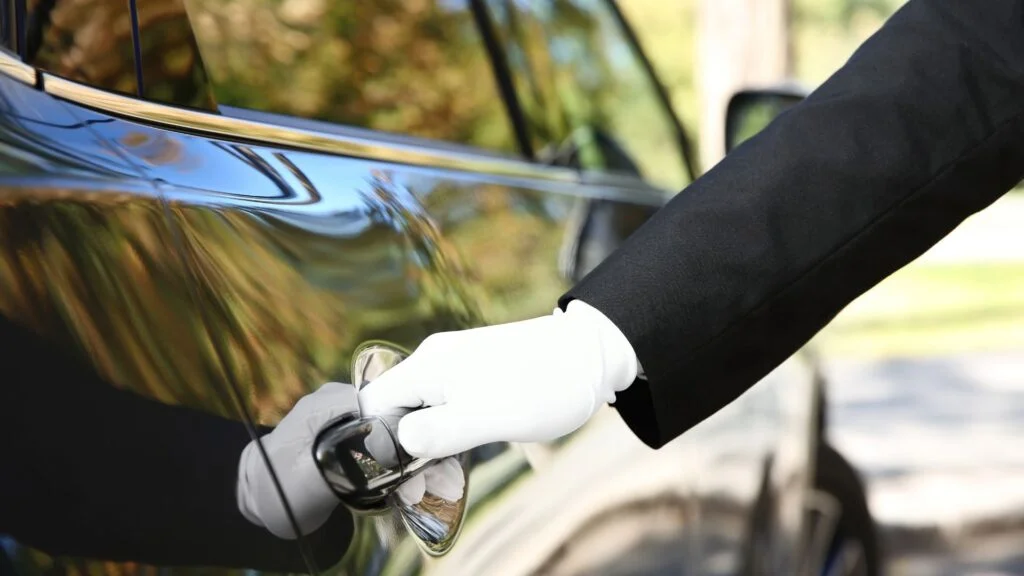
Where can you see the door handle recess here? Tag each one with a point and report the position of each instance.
(362, 461)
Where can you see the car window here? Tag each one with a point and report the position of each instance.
(7, 26)
(89, 41)
(583, 89)
(412, 67)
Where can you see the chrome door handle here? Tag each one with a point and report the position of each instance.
(362, 461)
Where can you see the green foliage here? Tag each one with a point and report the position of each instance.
(667, 31)
(841, 12)
(933, 309)
(824, 33)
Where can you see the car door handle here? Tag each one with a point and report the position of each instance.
(363, 463)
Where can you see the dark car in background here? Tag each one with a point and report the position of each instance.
(212, 207)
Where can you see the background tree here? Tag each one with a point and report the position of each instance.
(742, 43)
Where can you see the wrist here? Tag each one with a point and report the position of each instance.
(618, 359)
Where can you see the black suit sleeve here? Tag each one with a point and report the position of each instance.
(91, 471)
(920, 129)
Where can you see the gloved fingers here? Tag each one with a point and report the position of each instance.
(309, 496)
(333, 399)
(412, 490)
(335, 388)
(410, 384)
(446, 430)
(312, 411)
(288, 449)
(446, 479)
(259, 500)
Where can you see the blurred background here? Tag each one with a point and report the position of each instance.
(927, 369)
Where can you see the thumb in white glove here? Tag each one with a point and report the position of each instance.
(527, 381)
(289, 449)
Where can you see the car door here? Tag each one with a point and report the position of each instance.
(372, 233)
(330, 181)
(121, 440)
(377, 199)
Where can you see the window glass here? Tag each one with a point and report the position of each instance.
(89, 41)
(7, 25)
(584, 89)
(525, 44)
(171, 69)
(414, 67)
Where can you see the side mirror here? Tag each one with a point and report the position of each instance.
(750, 111)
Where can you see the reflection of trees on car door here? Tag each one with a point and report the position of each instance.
(585, 92)
(590, 105)
(398, 66)
(85, 40)
(124, 437)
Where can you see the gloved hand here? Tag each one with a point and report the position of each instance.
(290, 450)
(528, 381)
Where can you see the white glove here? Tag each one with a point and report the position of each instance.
(290, 450)
(527, 381)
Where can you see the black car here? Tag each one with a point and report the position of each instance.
(209, 208)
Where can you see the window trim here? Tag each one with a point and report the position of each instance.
(136, 48)
(13, 67)
(503, 76)
(350, 131)
(205, 123)
(369, 145)
(374, 146)
(659, 89)
(19, 30)
(14, 18)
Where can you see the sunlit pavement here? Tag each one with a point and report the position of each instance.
(940, 442)
(940, 439)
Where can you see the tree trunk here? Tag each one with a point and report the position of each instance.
(741, 44)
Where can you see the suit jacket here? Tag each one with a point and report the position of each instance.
(923, 127)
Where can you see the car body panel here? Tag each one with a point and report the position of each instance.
(328, 252)
(233, 264)
(86, 267)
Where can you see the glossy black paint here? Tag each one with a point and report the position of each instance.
(87, 271)
(231, 276)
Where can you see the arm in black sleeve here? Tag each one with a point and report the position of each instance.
(95, 472)
(921, 128)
